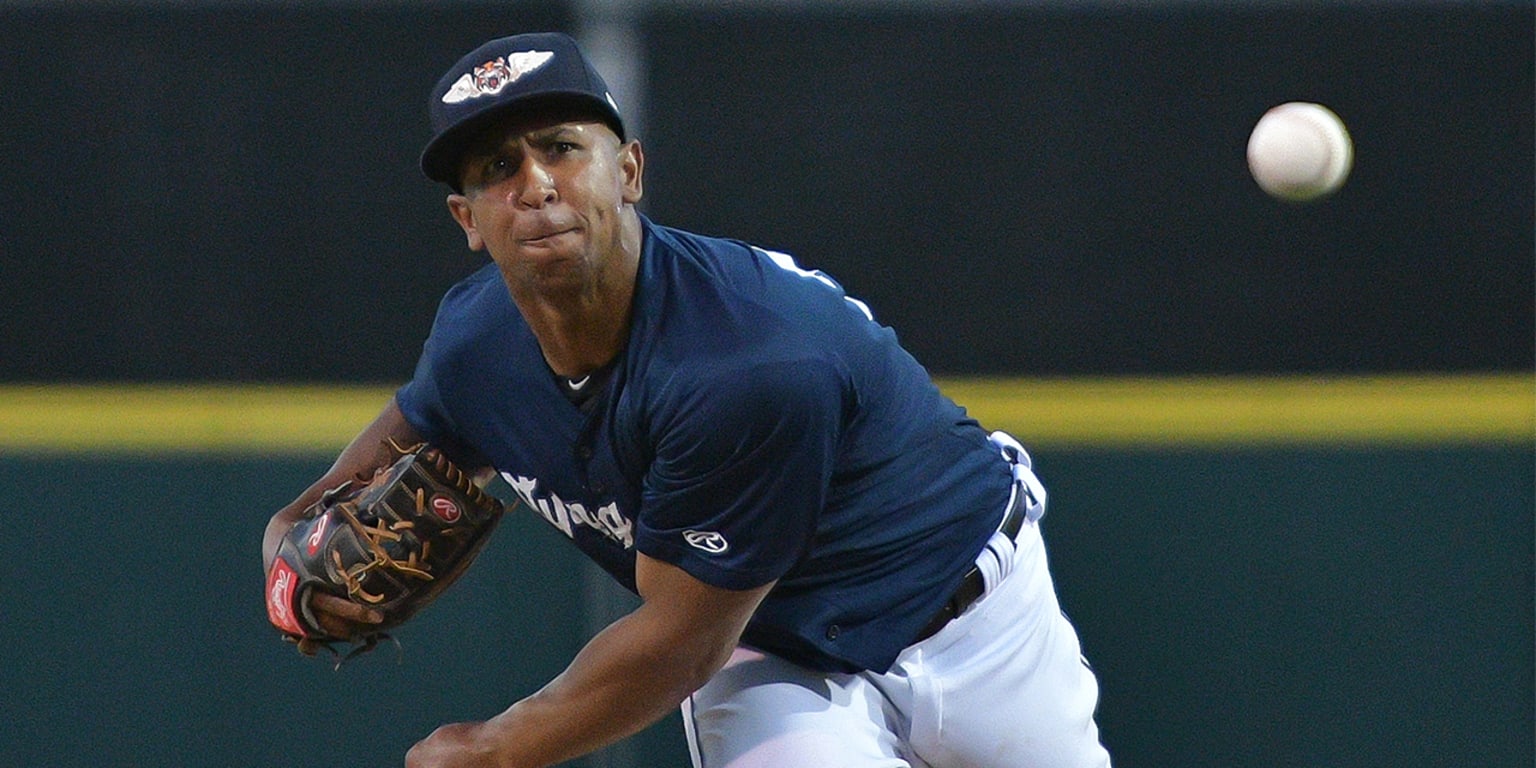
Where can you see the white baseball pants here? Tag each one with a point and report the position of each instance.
(1004, 685)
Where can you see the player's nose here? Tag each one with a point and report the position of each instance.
(537, 188)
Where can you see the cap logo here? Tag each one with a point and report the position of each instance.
(490, 78)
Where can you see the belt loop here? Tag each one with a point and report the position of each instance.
(1011, 449)
(1034, 493)
(1023, 474)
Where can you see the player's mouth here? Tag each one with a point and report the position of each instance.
(547, 239)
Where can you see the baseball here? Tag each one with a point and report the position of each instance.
(1300, 151)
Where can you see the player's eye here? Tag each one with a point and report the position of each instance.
(497, 167)
(557, 149)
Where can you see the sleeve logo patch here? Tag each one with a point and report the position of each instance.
(707, 541)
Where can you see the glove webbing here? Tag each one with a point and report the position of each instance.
(381, 559)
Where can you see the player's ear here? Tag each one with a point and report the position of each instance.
(632, 169)
(458, 206)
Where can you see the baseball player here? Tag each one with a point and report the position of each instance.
(837, 566)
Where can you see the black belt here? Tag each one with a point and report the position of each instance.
(974, 584)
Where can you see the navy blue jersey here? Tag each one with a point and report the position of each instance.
(758, 425)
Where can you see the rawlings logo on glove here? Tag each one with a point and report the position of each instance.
(392, 543)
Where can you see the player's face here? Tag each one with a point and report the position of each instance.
(545, 198)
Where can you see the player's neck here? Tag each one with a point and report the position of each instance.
(580, 355)
(581, 336)
(583, 329)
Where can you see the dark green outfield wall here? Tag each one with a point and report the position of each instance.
(1269, 608)
(1303, 608)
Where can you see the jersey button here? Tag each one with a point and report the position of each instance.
(833, 631)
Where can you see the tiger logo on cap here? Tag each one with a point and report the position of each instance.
(491, 77)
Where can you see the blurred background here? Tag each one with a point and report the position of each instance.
(218, 257)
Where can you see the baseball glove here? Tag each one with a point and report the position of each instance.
(392, 542)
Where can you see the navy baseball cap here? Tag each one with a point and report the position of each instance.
(501, 76)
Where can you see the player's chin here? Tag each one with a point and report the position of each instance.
(556, 272)
(552, 255)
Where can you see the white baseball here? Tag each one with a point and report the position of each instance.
(1300, 151)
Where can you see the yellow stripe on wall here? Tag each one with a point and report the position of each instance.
(1376, 410)
(1123, 412)
(204, 418)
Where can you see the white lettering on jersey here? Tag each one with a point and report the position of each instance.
(787, 262)
(567, 516)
